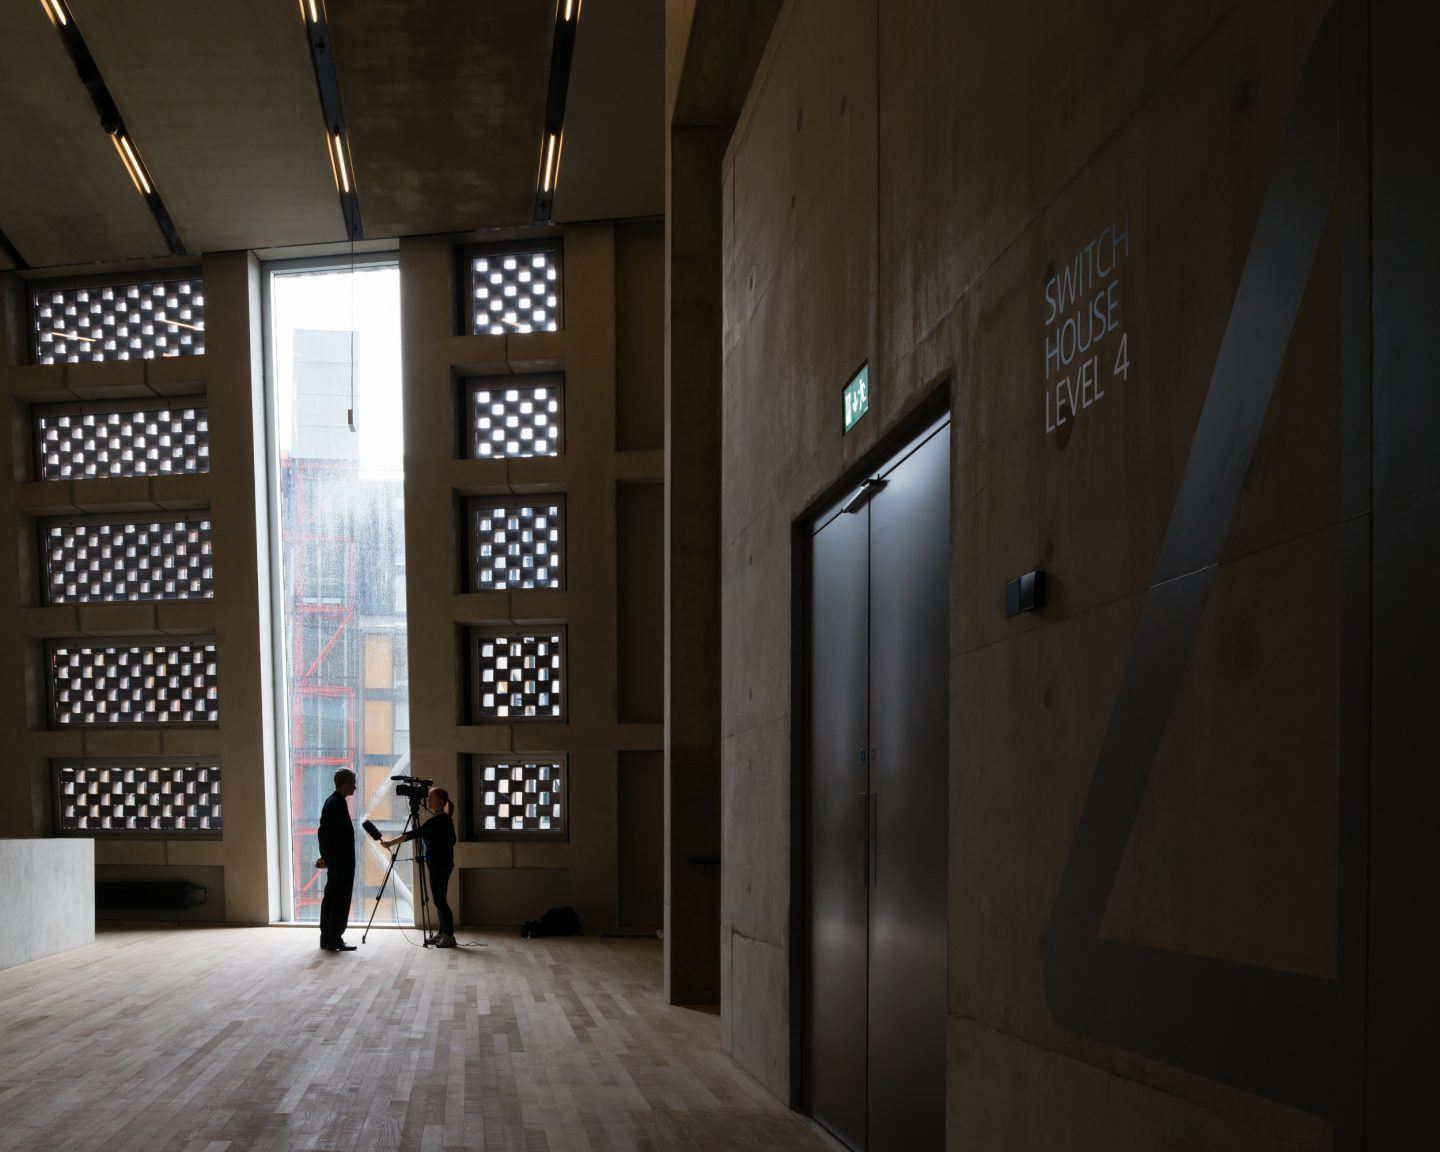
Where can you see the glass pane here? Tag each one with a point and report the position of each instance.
(340, 522)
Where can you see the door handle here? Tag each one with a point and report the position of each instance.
(864, 839)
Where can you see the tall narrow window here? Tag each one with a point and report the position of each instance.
(339, 514)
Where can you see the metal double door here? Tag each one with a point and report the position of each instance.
(876, 808)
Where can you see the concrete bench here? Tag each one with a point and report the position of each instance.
(47, 898)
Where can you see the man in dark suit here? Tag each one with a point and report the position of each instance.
(337, 857)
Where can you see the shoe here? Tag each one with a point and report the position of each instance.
(341, 947)
(445, 940)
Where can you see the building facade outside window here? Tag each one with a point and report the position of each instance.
(338, 517)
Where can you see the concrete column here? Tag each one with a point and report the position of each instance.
(234, 368)
(692, 565)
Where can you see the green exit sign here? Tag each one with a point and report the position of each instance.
(857, 398)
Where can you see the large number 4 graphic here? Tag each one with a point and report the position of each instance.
(1265, 1031)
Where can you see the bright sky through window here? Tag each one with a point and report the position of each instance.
(366, 303)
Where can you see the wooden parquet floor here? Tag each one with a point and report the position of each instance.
(222, 1040)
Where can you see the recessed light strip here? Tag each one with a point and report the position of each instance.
(111, 121)
(337, 142)
(545, 179)
(340, 162)
(552, 142)
(132, 163)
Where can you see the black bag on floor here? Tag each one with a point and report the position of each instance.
(555, 922)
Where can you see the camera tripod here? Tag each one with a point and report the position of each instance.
(422, 886)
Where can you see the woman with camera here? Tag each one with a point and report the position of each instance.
(438, 836)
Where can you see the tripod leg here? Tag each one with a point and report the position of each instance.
(394, 855)
(422, 884)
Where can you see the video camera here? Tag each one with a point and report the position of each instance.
(412, 786)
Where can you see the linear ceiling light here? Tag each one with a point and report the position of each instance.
(552, 143)
(111, 120)
(327, 85)
(340, 161)
(551, 163)
(131, 160)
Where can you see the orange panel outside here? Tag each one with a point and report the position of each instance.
(379, 727)
(379, 660)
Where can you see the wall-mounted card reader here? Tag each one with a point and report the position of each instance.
(1026, 593)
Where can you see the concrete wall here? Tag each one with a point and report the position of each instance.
(47, 898)
(609, 350)
(229, 376)
(903, 182)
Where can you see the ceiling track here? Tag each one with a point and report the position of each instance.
(553, 137)
(337, 140)
(12, 254)
(112, 122)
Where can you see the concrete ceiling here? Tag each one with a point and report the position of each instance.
(613, 164)
(64, 196)
(444, 102)
(220, 98)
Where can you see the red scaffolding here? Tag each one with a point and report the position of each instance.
(314, 484)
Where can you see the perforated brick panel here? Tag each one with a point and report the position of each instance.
(515, 292)
(94, 685)
(168, 441)
(137, 796)
(519, 675)
(517, 543)
(118, 322)
(519, 421)
(519, 797)
(97, 562)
